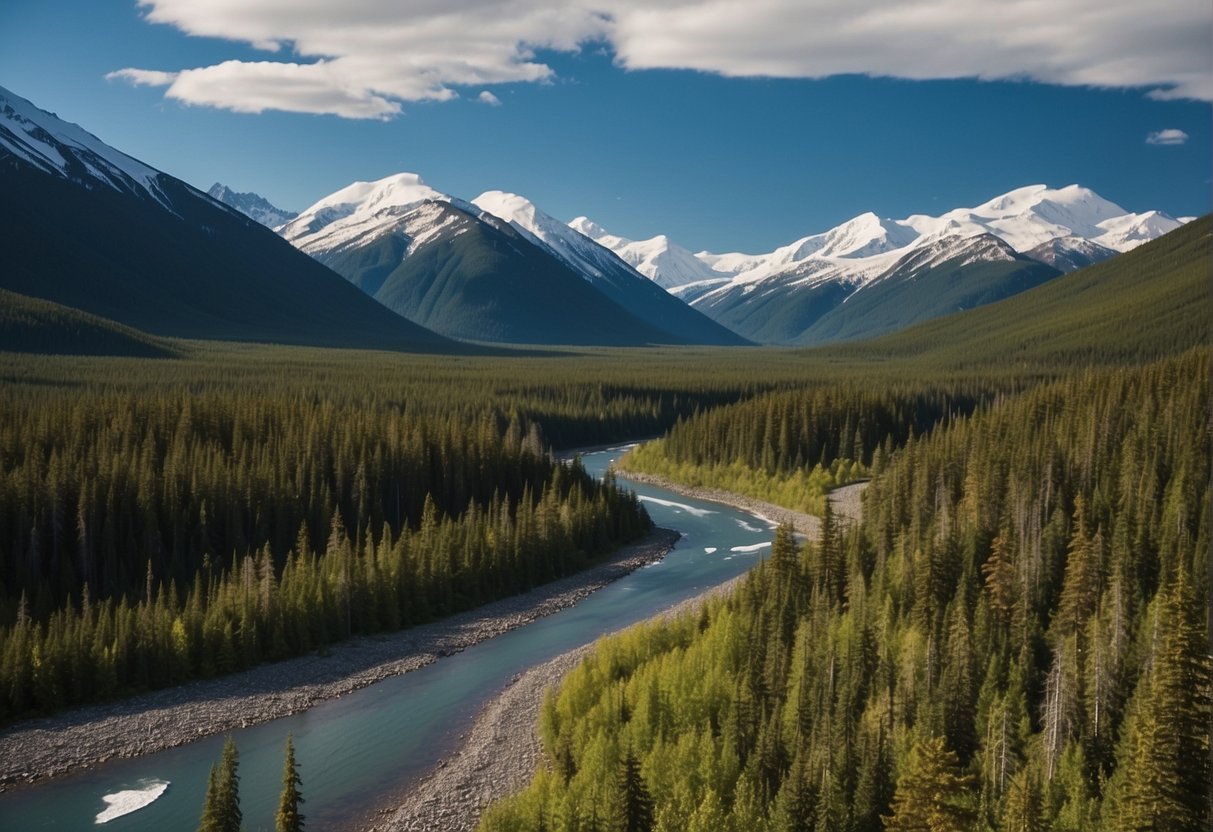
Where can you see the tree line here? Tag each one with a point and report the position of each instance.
(154, 539)
(791, 447)
(1012, 638)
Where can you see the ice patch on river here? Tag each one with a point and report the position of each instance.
(709, 549)
(749, 527)
(697, 512)
(751, 548)
(131, 800)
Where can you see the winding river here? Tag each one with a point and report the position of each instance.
(357, 751)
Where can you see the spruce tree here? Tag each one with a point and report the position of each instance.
(1167, 783)
(632, 809)
(288, 818)
(221, 811)
(931, 793)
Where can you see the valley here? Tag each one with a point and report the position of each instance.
(902, 525)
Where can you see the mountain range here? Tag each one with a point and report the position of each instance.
(496, 268)
(396, 264)
(251, 205)
(872, 275)
(102, 233)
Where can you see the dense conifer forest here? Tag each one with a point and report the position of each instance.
(170, 519)
(1013, 638)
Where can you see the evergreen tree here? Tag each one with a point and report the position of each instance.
(632, 806)
(931, 793)
(221, 811)
(288, 818)
(1166, 783)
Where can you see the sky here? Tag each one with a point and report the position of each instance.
(729, 126)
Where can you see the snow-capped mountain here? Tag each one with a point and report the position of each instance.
(1065, 228)
(104, 233)
(373, 234)
(252, 205)
(70, 152)
(1070, 253)
(664, 262)
(362, 212)
(604, 270)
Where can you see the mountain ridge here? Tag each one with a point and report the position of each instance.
(376, 234)
(106, 234)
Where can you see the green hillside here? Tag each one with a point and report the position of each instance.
(1152, 301)
(39, 326)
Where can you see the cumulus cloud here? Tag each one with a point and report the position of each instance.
(487, 97)
(362, 58)
(1168, 136)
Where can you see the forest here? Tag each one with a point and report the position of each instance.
(1013, 638)
(163, 520)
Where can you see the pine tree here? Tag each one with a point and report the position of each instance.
(931, 793)
(221, 811)
(632, 809)
(288, 818)
(1167, 782)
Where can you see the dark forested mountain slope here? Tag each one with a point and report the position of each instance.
(39, 326)
(483, 280)
(96, 230)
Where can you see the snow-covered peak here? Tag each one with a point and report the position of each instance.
(866, 246)
(63, 149)
(578, 251)
(591, 229)
(1027, 217)
(399, 191)
(252, 205)
(863, 236)
(1131, 230)
(663, 261)
(362, 211)
(510, 207)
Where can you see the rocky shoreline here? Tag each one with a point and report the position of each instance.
(845, 500)
(500, 753)
(51, 746)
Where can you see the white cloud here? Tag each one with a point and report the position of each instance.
(487, 97)
(143, 77)
(362, 58)
(1168, 136)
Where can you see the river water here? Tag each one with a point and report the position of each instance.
(356, 751)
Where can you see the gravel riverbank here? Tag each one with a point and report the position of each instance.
(501, 751)
(845, 500)
(35, 749)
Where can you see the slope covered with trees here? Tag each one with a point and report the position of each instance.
(32, 325)
(791, 447)
(1013, 638)
(156, 538)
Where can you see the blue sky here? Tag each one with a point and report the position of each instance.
(647, 125)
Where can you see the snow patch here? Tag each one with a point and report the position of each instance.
(131, 800)
(753, 547)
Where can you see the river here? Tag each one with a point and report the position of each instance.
(356, 751)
